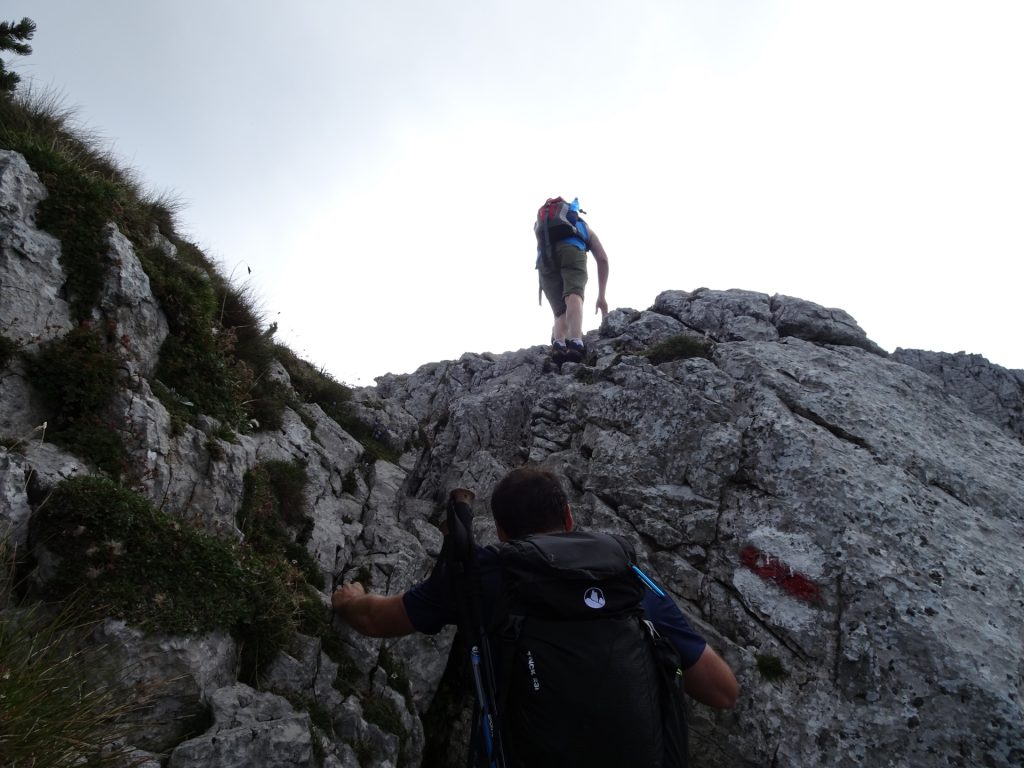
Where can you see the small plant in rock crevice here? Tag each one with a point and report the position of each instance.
(771, 667)
(679, 347)
(383, 713)
(350, 483)
(8, 349)
(273, 515)
(77, 377)
(398, 678)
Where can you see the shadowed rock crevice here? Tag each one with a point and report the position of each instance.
(818, 420)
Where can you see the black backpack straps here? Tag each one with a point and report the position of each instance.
(548, 260)
(545, 261)
(459, 550)
(506, 637)
(672, 699)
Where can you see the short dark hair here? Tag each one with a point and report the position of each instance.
(529, 500)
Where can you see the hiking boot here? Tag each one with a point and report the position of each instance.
(559, 352)
(575, 351)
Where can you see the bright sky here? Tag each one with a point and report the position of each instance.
(377, 165)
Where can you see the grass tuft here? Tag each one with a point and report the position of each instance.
(771, 667)
(53, 711)
(680, 347)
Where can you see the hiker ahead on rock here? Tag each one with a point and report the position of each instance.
(563, 239)
(582, 652)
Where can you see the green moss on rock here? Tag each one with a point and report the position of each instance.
(77, 377)
(156, 572)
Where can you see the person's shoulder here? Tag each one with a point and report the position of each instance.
(487, 558)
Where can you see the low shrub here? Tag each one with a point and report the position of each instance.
(195, 362)
(75, 374)
(77, 377)
(217, 355)
(679, 347)
(273, 516)
(160, 574)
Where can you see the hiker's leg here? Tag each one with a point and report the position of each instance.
(551, 284)
(561, 328)
(574, 282)
(573, 316)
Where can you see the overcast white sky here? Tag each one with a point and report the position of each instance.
(377, 165)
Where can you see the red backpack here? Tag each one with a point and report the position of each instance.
(556, 220)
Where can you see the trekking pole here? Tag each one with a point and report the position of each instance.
(461, 496)
(466, 580)
(487, 724)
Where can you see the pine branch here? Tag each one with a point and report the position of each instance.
(12, 36)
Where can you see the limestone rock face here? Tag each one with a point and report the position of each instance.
(251, 730)
(32, 304)
(987, 390)
(33, 308)
(844, 526)
(170, 675)
(15, 510)
(128, 301)
(817, 507)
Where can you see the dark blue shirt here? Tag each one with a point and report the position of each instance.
(431, 606)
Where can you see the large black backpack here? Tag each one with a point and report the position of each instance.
(581, 678)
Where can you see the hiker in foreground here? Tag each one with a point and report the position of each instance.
(563, 239)
(567, 668)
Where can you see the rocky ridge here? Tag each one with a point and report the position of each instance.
(845, 526)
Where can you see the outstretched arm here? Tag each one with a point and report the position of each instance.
(602, 272)
(711, 681)
(372, 615)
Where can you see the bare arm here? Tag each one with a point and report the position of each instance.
(710, 681)
(372, 615)
(602, 272)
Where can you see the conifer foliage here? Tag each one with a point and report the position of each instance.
(13, 37)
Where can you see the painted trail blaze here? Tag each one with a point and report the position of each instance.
(776, 571)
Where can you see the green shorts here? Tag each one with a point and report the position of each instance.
(570, 277)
